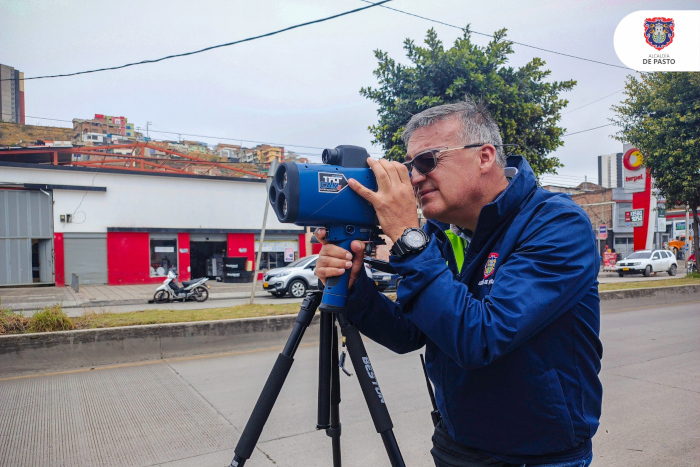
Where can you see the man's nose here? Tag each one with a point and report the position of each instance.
(416, 178)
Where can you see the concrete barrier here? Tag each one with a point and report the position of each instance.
(617, 300)
(25, 354)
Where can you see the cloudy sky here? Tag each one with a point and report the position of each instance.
(299, 88)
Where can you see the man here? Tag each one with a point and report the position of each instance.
(500, 286)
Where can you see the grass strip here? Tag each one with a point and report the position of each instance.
(689, 280)
(53, 318)
(92, 320)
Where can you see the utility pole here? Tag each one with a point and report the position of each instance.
(147, 133)
(270, 175)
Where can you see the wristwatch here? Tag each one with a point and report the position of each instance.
(411, 241)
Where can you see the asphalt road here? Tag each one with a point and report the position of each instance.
(191, 411)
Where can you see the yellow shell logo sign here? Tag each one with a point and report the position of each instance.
(632, 160)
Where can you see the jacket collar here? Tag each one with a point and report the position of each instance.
(519, 189)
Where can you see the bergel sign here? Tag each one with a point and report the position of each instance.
(634, 174)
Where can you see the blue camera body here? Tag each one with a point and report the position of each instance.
(319, 195)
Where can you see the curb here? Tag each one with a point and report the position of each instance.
(26, 354)
(615, 300)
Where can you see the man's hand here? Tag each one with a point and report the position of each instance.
(394, 201)
(333, 261)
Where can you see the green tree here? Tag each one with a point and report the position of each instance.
(661, 117)
(525, 106)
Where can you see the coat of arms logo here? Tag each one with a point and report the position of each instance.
(490, 264)
(658, 32)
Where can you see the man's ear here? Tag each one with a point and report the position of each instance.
(487, 158)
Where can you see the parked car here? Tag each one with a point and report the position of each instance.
(386, 281)
(295, 279)
(648, 261)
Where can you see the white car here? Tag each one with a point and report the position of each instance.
(295, 278)
(648, 261)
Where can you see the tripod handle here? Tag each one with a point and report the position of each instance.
(335, 294)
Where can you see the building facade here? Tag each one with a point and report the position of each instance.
(109, 226)
(102, 124)
(11, 95)
(610, 170)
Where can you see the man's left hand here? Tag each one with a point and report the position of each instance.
(394, 201)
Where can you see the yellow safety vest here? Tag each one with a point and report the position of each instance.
(458, 246)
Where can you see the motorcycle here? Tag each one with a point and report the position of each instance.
(195, 289)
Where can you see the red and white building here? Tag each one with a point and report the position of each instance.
(111, 226)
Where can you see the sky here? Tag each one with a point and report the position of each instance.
(300, 88)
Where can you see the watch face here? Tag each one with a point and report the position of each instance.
(414, 239)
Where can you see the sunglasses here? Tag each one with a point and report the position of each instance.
(426, 161)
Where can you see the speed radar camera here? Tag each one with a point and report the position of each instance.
(318, 195)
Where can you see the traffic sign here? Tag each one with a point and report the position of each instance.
(603, 232)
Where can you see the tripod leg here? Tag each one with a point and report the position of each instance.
(324, 370)
(335, 429)
(370, 389)
(273, 385)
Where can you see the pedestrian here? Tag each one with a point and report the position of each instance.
(499, 286)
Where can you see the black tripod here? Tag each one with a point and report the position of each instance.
(328, 384)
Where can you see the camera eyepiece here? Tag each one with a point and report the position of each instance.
(346, 156)
(331, 157)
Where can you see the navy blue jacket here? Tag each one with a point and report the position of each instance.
(512, 343)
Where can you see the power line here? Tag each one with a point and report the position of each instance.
(490, 35)
(584, 131)
(201, 136)
(143, 62)
(598, 100)
(239, 139)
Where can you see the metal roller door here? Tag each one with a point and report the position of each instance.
(86, 255)
(26, 237)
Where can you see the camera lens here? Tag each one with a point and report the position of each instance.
(281, 206)
(281, 177)
(273, 194)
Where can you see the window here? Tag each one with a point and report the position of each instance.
(272, 260)
(656, 256)
(163, 254)
(642, 254)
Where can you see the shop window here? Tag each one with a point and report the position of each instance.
(272, 260)
(163, 255)
(277, 253)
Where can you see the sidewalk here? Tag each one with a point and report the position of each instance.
(34, 298)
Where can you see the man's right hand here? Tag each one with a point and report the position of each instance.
(333, 261)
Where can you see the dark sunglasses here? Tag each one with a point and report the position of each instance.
(426, 161)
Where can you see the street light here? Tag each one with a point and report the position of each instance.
(270, 175)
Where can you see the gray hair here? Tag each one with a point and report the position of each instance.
(478, 126)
